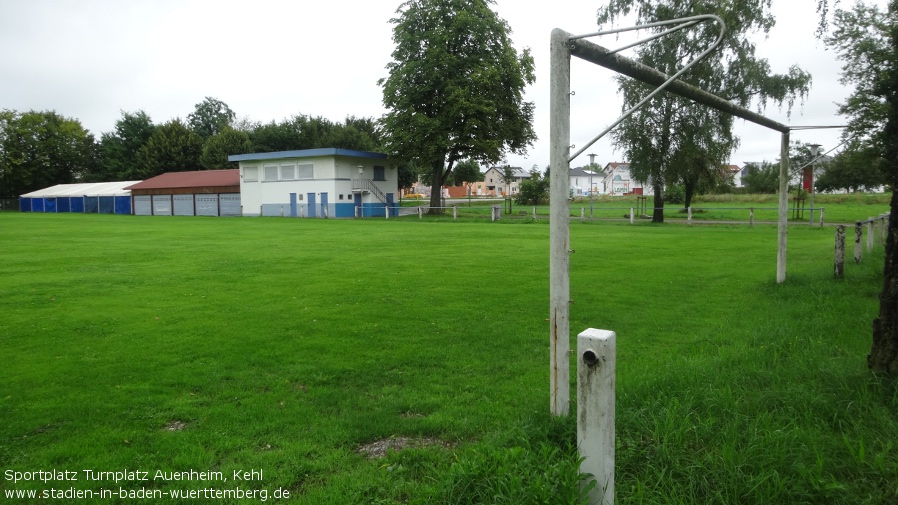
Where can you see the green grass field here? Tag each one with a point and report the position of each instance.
(288, 347)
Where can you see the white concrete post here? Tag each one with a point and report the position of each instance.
(420, 213)
(559, 223)
(839, 259)
(870, 234)
(455, 212)
(782, 228)
(582, 214)
(534, 212)
(822, 210)
(632, 216)
(751, 217)
(596, 370)
(858, 233)
(493, 213)
(689, 215)
(386, 212)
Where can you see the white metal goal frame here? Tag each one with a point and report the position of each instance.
(563, 46)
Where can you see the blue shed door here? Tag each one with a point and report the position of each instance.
(324, 210)
(311, 204)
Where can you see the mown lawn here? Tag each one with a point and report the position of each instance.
(288, 346)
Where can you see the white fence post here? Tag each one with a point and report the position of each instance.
(632, 216)
(839, 260)
(386, 212)
(534, 212)
(596, 370)
(751, 217)
(455, 212)
(420, 213)
(689, 215)
(870, 234)
(822, 210)
(582, 214)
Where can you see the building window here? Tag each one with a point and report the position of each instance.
(299, 197)
(305, 171)
(270, 173)
(341, 196)
(379, 174)
(288, 172)
(250, 174)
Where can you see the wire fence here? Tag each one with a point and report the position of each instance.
(693, 215)
(9, 204)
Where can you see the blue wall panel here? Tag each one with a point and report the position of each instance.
(24, 204)
(62, 204)
(123, 205)
(49, 205)
(76, 204)
(107, 204)
(37, 205)
(91, 204)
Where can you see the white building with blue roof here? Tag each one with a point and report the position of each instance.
(328, 182)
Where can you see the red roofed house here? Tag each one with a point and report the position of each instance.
(196, 193)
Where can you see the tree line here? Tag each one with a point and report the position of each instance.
(44, 148)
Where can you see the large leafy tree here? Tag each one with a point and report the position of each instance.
(455, 88)
(466, 171)
(172, 148)
(670, 139)
(854, 169)
(40, 149)
(118, 149)
(218, 147)
(866, 40)
(211, 116)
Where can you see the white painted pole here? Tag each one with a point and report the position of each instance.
(689, 215)
(822, 210)
(455, 212)
(783, 223)
(582, 214)
(386, 212)
(420, 213)
(870, 234)
(751, 217)
(632, 216)
(559, 223)
(534, 212)
(596, 370)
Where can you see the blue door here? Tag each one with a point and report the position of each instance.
(292, 204)
(311, 204)
(324, 210)
(357, 201)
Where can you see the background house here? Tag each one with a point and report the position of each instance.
(585, 182)
(494, 184)
(327, 182)
(618, 181)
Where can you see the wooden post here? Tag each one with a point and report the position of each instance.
(839, 260)
(596, 369)
(782, 227)
(858, 233)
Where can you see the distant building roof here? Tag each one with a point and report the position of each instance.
(193, 179)
(307, 153)
(583, 172)
(84, 189)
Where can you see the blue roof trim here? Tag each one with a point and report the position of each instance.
(307, 153)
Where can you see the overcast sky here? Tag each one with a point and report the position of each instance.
(272, 59)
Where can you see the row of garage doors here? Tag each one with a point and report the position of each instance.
(224, 204)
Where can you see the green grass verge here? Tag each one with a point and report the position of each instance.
(283, 345)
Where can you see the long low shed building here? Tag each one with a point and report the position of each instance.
(90, 197)
(195, 193)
